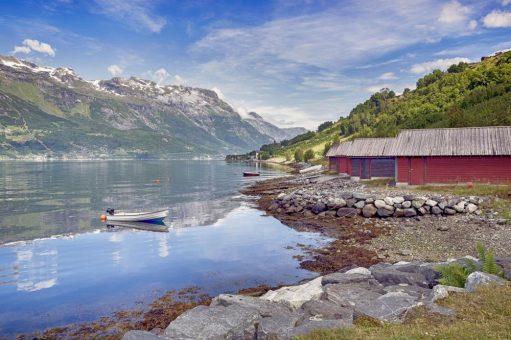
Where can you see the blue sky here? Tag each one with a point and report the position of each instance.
(297, 63)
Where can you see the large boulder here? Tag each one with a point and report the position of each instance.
(410, 212)
(379, 204)
(369, 210)
(477, 279)
(359, 204)
(471, 208)
(389, 200)
(296, 296)
(347, 278)
(322, 314)
(398, 200)
(389, 307)
(418, 202)
(318, 208)
(360, 196)
(406, 204)
(347, 212)
(382, 212)
(431, 202)
(215, 322)
(436, 210)
(392, 276)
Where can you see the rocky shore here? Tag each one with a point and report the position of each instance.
(383, 292)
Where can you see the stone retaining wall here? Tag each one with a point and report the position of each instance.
(358, 203)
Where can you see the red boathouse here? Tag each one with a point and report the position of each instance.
(456, 155)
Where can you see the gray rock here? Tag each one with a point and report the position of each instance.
(296, 296)
(318, 208)
(389, 307)
(369, 210)
(452, 202)
(422, 211)
(434, 308)
(477, 279)
(409, 197)
(501, 221)
(443, 227)
(360, 196)
(436, 210)
(397, 205)
(391, 276)
(345, 278)
(388, 200)
(399, 212)
(382, 212)
(398, 200)
(307, 213)
(141, 335)
(449, 211)
(418, 202)
(442, 204)
(471, 208)
(325, 310)
(281, 196)
(431, 202)
(347, 212)
(347, 195)
(351, 202)
(379, 204)
(214, 322)
(427, 270)
(360, 204)
(336, 203)
(331, 213)
(460, 207)
(406, 204)
(349, 295)
(410, 212)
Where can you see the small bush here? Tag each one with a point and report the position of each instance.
(487, 258)
(454, 274)
(299, 155)
(326, 148)
(309, 154)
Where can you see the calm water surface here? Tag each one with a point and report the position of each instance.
(59, 264)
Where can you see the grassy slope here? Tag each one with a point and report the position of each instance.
(484, 314)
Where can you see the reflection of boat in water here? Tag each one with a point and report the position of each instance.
(148, 216)
(250, 174)
(155, 226)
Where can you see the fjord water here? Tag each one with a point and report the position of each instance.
(59, 264)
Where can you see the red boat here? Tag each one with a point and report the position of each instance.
(249, 174)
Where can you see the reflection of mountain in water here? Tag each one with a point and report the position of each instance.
(198, 213)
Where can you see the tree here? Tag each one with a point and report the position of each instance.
(264, 155)
(324, 126)
(288, 156)
(336, 140)
(327, 147)
(299, 155)
(309, 154)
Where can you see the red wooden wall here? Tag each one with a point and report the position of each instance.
(421, 170)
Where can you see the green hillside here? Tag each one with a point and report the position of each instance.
(477, 94)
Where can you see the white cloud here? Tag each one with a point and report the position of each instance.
(115, 70)
(30, 45)
(21, 49)
(454, 12)
(387, 76)
(497, 19)
(472, 24)
(163, 77)
(506, 2)
(179, 80)
(441, 64)
(218, 92)
(138, 14)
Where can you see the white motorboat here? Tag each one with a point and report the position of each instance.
(148, 216)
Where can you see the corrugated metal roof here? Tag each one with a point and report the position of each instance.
(477, 141)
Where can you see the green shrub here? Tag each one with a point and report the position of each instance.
(487, 259)
(454, 274)
(309, 154)
(288, 156)
(299, 155)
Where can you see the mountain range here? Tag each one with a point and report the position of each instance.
(50, 112)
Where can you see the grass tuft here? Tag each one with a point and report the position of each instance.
(484, 314)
